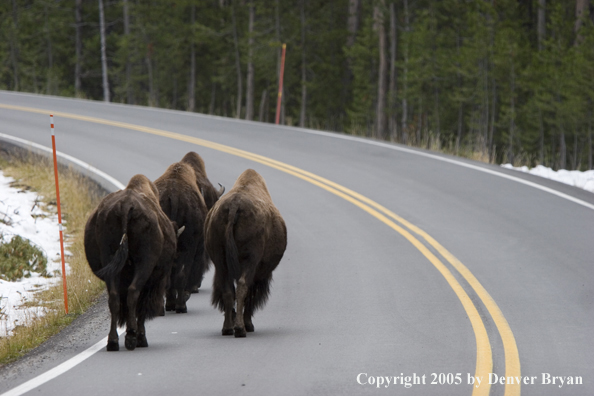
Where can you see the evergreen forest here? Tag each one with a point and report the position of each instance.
(493, 80)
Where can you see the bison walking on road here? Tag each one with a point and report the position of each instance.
(130, 244)
(209, 193)
(246, 238)
(183, 203)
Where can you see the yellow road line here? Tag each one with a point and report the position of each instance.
(484, 362)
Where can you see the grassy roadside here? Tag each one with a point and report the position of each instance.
(78, 198)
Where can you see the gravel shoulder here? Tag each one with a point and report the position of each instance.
(86, 330)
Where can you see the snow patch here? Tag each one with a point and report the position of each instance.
(21, 213)
(583, 180)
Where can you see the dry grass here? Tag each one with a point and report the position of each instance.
(78, 198)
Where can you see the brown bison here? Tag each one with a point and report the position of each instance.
(209, 193)
(130, 244)
(246, 238)
(183, 203)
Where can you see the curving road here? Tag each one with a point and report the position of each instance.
(400, 263)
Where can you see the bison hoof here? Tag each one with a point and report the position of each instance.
(181, 310)
(239, 332)
(113, 346)
(170, 307)
(227, 332)
(131, 341)
(141, 341)
(249, 327)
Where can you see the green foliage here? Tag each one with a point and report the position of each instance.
(19, 258)
(470, 75)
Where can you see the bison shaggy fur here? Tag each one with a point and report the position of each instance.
(246, 238)
(182, 202)
(130, 244)
(209, 193)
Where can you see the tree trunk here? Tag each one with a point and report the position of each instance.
(263, 105)
(211, 108)
(542, 5)
(249, 100)
(103, 53)
(278, 59)
(437, 119)
(50, 56)
(129, 91)
(581, 11)
(405, 77)
(149, 66)
(353, 21)
(378, 15)
(174, 101)
(574, 157)
(541, 138)
(303, 69)
(192, 82)
(562, 150)
(459, 134)
(237, 64)
(77, 67)
(512, 122)
(392, 126)
(14, 52)
(590, 137)
(461, 105)
(278, 37)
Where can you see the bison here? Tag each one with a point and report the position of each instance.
(210, 194)
(130, 244)
(246, 238)
(183, 203)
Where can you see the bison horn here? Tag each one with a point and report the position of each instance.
(180, 230)
(221, 190)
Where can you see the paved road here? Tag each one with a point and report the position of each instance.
(358, 291)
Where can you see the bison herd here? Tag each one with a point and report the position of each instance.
(152, 242)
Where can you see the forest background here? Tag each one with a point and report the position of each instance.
(494, 80)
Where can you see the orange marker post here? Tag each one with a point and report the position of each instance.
(280, 84)
(59, 215)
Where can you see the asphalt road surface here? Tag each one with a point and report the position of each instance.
(406, 272)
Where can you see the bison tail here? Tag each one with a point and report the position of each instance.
(232, 255)
(117, 263)
(120, 257)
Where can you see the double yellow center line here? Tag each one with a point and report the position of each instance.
(484, 358)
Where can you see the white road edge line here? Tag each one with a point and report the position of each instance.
(60, 369)
(67, 157)
(455, 162)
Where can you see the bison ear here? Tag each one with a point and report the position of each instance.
(180, 230)
(221, 191)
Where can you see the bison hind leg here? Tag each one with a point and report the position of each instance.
(141, 341)
(249, 326)
(228, 299)
(170, 299)
(113, 346)
(241, 293)
(131, 340)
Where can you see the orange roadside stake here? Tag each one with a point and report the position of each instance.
(59, 215)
